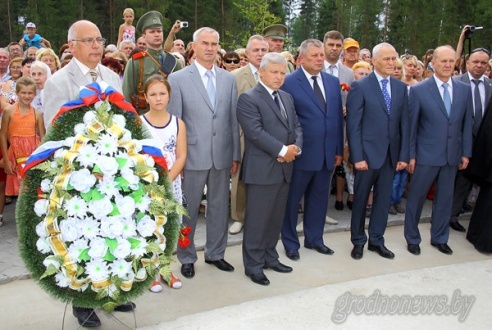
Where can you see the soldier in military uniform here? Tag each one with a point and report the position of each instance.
(142, 65)
(275, 35)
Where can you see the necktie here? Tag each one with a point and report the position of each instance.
(257, 76)
(318, 92)
(478, 107)
(211, 87)
(446, 98)
(93, 74)
(386, 95)
(277, 102)
(331, 70)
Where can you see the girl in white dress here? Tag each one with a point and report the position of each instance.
(170, 131)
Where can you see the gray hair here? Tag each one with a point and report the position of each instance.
(308, 43)
(126, 42)
(5, 50)
(274, 58)
(43, 66)
(197, 33)
(256, 37)
(377, 48)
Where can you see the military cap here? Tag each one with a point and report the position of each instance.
(149, 20)
(275, 31)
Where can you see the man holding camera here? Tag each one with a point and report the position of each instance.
(145, 64)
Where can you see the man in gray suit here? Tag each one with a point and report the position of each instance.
(481, 88)
(246, 78)
(273, 138)
(205, 97)
(87, 45)
(441, 122)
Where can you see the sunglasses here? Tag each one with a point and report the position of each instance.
(476, 50)
(229, 61)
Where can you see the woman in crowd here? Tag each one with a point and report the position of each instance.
(361, 69)
(419, 72)
(40, 72)
(398, 73)
(113, 64)
(120, 57)
(8, 95)
(409, 69)
(242, 56)
(64, 51)
(190, 57)
(231, 61)
(48, 56)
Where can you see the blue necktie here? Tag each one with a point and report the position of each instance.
(478, 107)
(211, 87)
(446, 98)
(386, 95)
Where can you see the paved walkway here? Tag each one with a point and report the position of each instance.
(308, 298)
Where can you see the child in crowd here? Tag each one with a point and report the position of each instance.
(32, 39)
(170, 131)
(127, 30)
(22, 129)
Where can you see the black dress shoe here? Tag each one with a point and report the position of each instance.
(188, 270)
(129, 306)
(414, 249)
(349, 204)
(320, 248)
(292, 254)
(457, 226)
(221, 264)
(357, 252)
(381, 250)
(338, 206)
(280, 268)
(86, 317)
(444, 248)
(259, 278)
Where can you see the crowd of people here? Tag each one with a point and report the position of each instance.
(265, 131)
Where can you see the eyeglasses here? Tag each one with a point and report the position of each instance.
(229, 61)
(476, 50)
(90, 41)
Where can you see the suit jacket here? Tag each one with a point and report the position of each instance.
(211, 130)
(346, 76)
(65, 85)
(437, 139)
(322, 126)
(244, 79)
(266, 131)
(371, 131)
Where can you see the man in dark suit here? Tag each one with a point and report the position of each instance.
(205, 97)
(481, 89)
(273, 138)
(318, 106)
(378, 133)
(441, 123)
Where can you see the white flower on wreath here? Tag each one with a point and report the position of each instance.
(108, 165)
(129, 228)
(144, 203)
(46, 185)
(51, 261)
(149, 161)
(107, 144)
(107, 186)
(68, 142)
(129, 176)
(120, 120)
(82, 180)
(130, 163)
(100, 208)
(62, 280)
(123, 249)
(60, 153)
(79, 128)
(127, 136)
(97, 270)
(138, 145)
(121, 268)
(76, 249)
(89, 227)
(87, 155)
(126, 206)
(41, 230)
(76, 207)
(111, 227)
(69, 230)
(146, 226)
(43, 246)
(41, 207)
(89, 116)
(139, 249)
(98, 248)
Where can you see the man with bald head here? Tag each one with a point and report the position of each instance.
(87, 45)
(441, 123)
